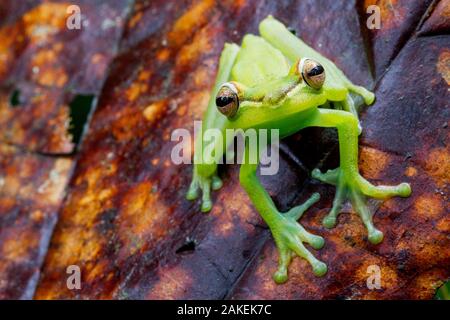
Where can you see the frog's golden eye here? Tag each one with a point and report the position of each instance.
(312, 72)
(227, 100)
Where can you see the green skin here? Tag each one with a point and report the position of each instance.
(261, 66)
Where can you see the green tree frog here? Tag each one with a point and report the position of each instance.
(276, 81)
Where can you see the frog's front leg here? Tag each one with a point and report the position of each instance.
(349, 183)
(205, 176)
(288, 234)
(205, 182)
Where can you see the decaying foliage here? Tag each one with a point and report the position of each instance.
(116, 207)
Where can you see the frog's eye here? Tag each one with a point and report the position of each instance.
(312, 72)
(227, 100)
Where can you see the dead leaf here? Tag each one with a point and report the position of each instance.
(125, 220)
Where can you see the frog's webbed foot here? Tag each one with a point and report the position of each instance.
(357, 189)
(289, 236)
(204, 184)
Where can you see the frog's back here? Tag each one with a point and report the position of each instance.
(258, 61)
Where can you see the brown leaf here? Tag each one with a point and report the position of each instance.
(38, 120)
(41, 59)
(399, 19)
(125, 220)
(31, 190)
(439, 20)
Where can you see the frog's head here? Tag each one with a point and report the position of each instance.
(306, 77)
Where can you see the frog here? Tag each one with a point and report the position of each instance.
(274, 80)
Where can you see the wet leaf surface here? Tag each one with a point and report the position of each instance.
(38, 50)
(36, 117)
(398, 22)
(31, 190)
(125, 220)
(439, 20)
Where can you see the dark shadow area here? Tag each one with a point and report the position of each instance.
(188, 246)
(80, 108)
(14, 99)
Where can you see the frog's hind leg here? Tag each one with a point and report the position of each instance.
(298, 211)
(332, 177)
(288, 234)
(358, 192)
(349, 183)
(288, 250)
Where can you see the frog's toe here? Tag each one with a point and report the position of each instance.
(357, 190)
(296, 212)
(375, 236)
(206, 197)
(383, 192)
(289, 236)
(317, 242)
(359, 203)
(359, 128)
(329, 221)
(205, 185)
(319, 268)
(216, 183)
(192, 192)
(206, 205)
(330, 177)
(280, 276)
(404, 189)
(368, 96)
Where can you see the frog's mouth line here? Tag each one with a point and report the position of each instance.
(269, 102)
